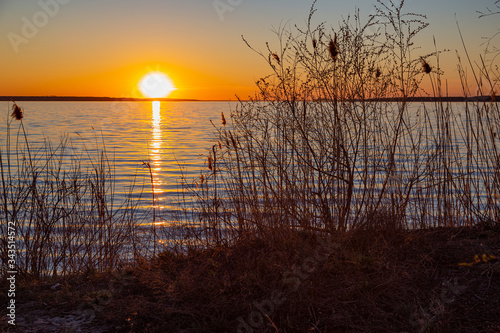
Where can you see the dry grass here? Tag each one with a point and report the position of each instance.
(61, 202)
(331, 140)
(366, 281)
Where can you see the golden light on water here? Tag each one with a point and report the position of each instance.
(156, 112)
(156, 147)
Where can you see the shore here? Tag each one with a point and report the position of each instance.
(437, 280)
(88, 99)
(133, 99)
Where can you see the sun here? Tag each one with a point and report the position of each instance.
(156, 85)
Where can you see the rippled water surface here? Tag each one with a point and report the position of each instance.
(173, 137)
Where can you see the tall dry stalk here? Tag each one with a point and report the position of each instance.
(334, 137)
(62, 203)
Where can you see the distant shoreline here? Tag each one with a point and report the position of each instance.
(89, 99)
(131, 99)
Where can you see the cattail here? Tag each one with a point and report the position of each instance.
(220, 144)
(210, 161)
(276, 57)
(314, 43)
(426, 67)
(233, 141)
(223, 119)
(333, 48)
(493, 96)
(17, 112)
(202, 178)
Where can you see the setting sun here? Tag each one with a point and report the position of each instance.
(156, 85)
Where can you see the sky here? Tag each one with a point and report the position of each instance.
(104, 47)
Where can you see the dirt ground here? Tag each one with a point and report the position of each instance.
(439, 280)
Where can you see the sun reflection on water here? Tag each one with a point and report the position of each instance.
(156, 112)
(156, 148)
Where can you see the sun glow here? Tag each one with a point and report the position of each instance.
(156, 85)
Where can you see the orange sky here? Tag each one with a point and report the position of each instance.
(89, 48)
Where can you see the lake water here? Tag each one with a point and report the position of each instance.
(439, 177)
(174, 137)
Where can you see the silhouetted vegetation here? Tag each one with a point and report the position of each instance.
(61, 202)
(342, 198)
(335, 137)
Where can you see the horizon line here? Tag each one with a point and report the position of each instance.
(53, 98)
(101, 98)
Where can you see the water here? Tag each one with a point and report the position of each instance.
(173, 137)
(438, 177)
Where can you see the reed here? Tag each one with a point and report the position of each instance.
(61, 201)
(332, 140)
(331, 143)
